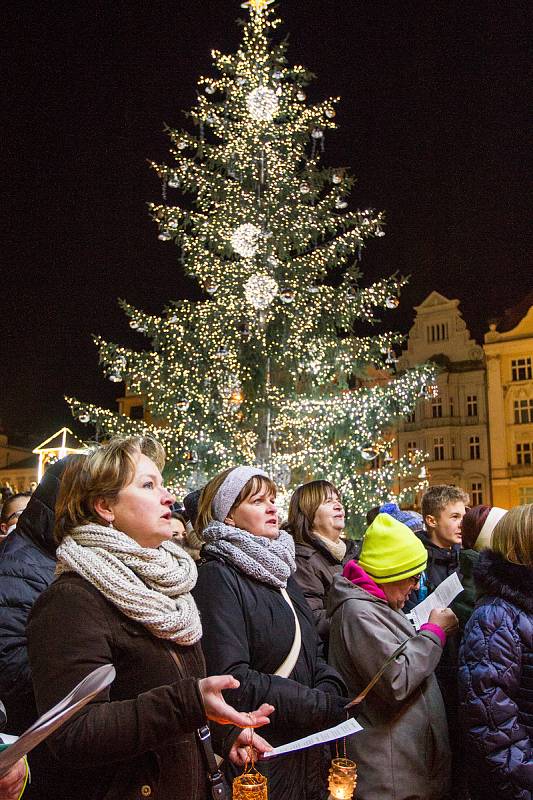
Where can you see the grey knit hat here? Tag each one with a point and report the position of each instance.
(231, 488)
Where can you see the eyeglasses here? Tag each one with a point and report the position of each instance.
(415, 578)
(14, 514)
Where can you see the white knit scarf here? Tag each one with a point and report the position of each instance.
(149, 585)
(269, 561)
(337, 549)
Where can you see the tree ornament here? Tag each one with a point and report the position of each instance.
(272, 261)
(222, 351)
(342, 778)
(244, 331)
(392, 301)
(391, 358)
(279, 91)
(173, 318)
(351, 292)
(240, 81)
(164, 236)
(236, 398)
(173, 183)
(260, 290)
(380, 232)
(225, 391)
(262, 104)
(340, 203)
(115, 377)
(301, 96)
(182, 144)
(305, 188)
(209, 89)
(330, 113)
(211, 287)
(287, 295)
(368, 452)
(336, 178)
(183, 405)
(277, 75)
(192, 456)
(245, 239)
(316, 133)
(84, 418)
(134, 324)
(313, 288)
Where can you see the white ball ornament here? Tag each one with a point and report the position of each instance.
(245, 240)
(262, 104)
(260, 291)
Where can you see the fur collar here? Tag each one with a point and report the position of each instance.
(512, 582)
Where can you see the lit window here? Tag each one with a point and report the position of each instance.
(525, 495)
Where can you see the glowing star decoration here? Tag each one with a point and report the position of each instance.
(262, 104)
(257, 5)
(260, 291)
(245, 240)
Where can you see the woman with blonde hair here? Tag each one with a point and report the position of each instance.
(496, 664)
(259, 628)
(316, 523)
(123, 597)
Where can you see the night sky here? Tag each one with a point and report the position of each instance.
(432, 123)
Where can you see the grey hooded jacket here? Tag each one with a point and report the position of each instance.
(403, 753)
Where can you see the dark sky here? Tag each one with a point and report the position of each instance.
(433, 124)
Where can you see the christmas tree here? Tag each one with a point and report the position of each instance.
(271, 366)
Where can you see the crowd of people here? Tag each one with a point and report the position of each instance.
(220, 620)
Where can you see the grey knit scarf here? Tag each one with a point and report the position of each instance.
(269, 561)
(151, 585)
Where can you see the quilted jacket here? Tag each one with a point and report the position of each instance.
(496, 680)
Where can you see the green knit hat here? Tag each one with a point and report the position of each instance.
(391, 551)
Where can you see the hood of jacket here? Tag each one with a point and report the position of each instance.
(342, 590)
(496, 576)
(37, 521)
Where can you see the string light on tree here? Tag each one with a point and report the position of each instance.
(261, 368)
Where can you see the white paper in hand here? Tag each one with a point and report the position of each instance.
(338, 732)
(443, 595)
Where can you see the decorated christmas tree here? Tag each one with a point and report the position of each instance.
(273, 366)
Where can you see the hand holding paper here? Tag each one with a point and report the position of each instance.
(443, 595)
(338, 732)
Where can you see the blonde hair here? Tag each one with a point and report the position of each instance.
(100, 473)
(513, 536)
(303, 506)
(205, 503)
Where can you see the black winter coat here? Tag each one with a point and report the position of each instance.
(496, 681)
(27, 566)
(248, 632)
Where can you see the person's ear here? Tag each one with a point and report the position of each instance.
(430, 521)
(229, 521)
(3, 527)
(103, 508)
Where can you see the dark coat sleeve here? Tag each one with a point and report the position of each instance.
(299, 710)
(69, 635)
(314, 584)
(490, 677)
(21, 583)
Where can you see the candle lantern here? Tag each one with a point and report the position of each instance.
(251, 785)
(342, 778)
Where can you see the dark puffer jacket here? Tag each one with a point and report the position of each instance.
(496, 680)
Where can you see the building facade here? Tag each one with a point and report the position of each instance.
(451, 427)
(509, 356)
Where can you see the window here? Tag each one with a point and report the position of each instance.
(523, 453)
(438, 448)
(411, 448)
(137, 412)
(436, 407)
(411, 417)
(451, 406)
(523, 410)
(521, 369)
(438, 332)
(475, 450)
(476, 493)
(471, 405)
(452, 453)
(525, 495)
